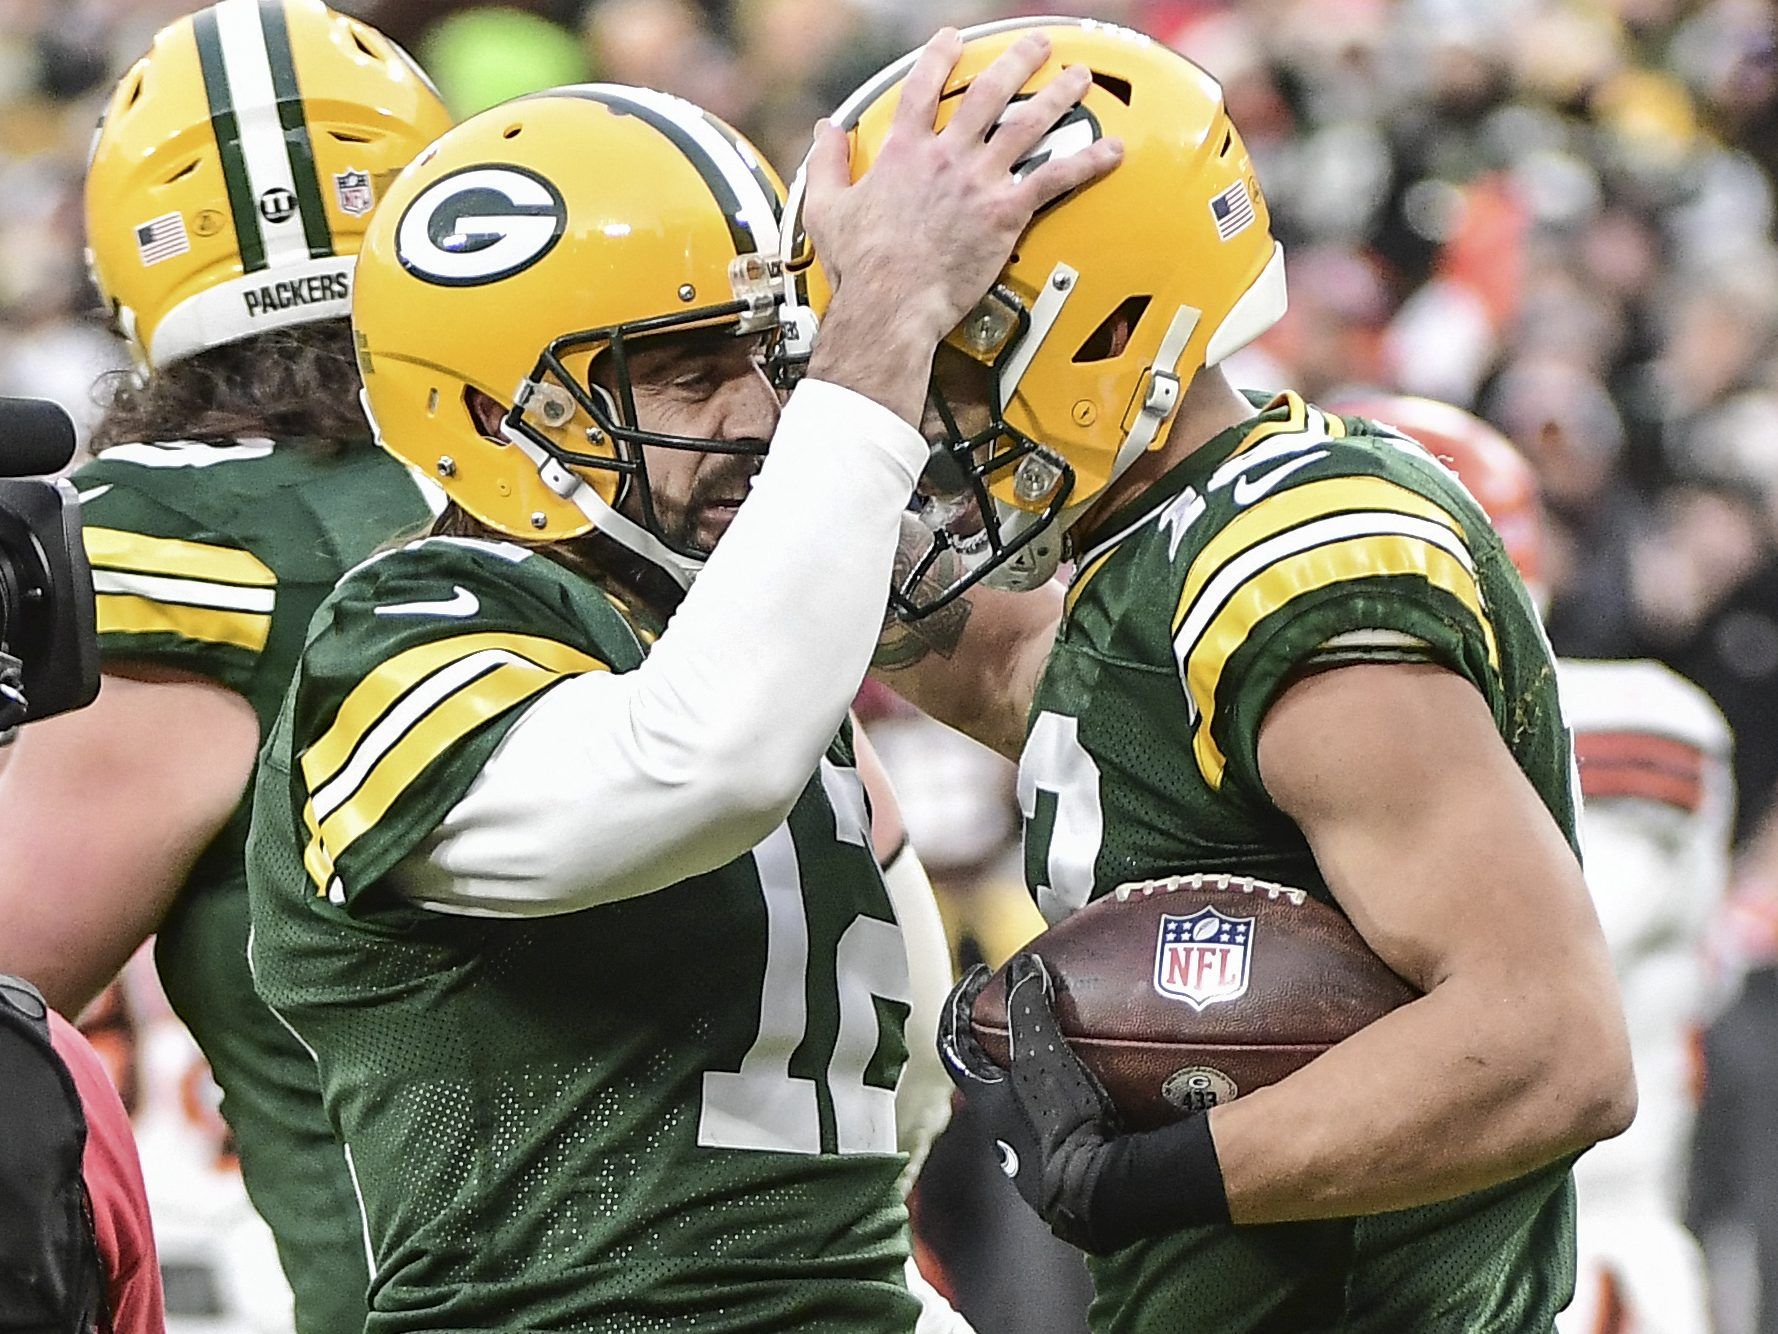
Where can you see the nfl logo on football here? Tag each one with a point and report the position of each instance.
(1203, 958)
(354, 192)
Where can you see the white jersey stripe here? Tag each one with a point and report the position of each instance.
(414, 706)
(185, 592)
(186, 454)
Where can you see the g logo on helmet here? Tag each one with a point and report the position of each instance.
(1076, 131)
(479, 225)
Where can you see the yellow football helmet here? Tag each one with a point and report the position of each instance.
(523, 244)
(236, 166)
(1114, 299)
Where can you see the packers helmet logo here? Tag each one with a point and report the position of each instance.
(479, 225)
(1077, 131)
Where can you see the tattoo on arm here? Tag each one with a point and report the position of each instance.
(904, 644)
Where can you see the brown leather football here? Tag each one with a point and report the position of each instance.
(1186, 992)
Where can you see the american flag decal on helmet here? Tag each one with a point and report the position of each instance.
(1233, 211)
(162, 238)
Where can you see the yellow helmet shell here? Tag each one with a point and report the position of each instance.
(236, 168)
(592, 208)
(1175, 245)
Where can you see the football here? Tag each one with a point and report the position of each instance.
(1190, 991)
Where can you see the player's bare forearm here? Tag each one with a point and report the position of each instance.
(1465, 1088)
(1451, 868)
(974, 663)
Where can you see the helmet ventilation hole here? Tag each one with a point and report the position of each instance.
(347, 137)
(1118, 88)
(135, 92)
(432, 402)
(1228, 138)
(512, 131)
(182, 173)
(1114, 332)
(361, 44)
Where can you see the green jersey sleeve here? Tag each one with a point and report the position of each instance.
(170, 587)
(416, 666)
(1357, 551)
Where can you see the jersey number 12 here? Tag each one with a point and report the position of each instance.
(762, 1106)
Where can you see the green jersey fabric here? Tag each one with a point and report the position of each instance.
(211, 559)
(1293, 539)
(671, 1112)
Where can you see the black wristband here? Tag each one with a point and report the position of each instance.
(1157, 1182)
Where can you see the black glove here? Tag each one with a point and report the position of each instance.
(1057, 1132)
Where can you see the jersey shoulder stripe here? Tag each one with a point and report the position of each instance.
(1283, 533)
(195, 590)
(404, 715)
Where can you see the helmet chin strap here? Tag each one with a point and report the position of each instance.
(1035, 564)
(577, 491)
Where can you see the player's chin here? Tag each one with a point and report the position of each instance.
(713, 520)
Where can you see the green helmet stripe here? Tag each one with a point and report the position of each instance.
(297, 144)
(228, 141)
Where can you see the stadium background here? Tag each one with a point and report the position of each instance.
(1558, 213)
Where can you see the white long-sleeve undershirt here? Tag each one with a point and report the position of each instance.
(616, 784)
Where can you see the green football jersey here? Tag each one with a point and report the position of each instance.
(1294, 539)
(670, 1112)
(211, 559)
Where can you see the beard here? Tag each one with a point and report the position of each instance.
(716, 493)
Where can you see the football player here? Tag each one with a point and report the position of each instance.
(559, 860)
(1292, 648)
(1658, 796)
(229, 187)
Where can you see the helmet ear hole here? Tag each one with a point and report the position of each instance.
(1114, 332)
(485, 412)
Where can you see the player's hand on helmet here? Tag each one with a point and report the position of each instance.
(1056, 1130)
(934, 219)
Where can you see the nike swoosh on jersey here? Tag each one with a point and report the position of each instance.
(461, 603)
(95, 493)
(1009, 1158)
(1249, 489)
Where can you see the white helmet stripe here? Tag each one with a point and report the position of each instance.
(270, 175)
(758, 211)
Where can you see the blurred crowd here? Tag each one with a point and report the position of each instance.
(1558, 213)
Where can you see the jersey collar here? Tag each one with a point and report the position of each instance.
(1280, 410)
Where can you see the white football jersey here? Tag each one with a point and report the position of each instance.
(1657, 801)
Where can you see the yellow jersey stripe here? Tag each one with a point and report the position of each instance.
(371, 698)
(643, 634)
(442, 727)
(1083, 576)
(317, 861)
(1360, 557)
(1286, 509)
(119, 549)
(128, 614)
(1297, 419)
